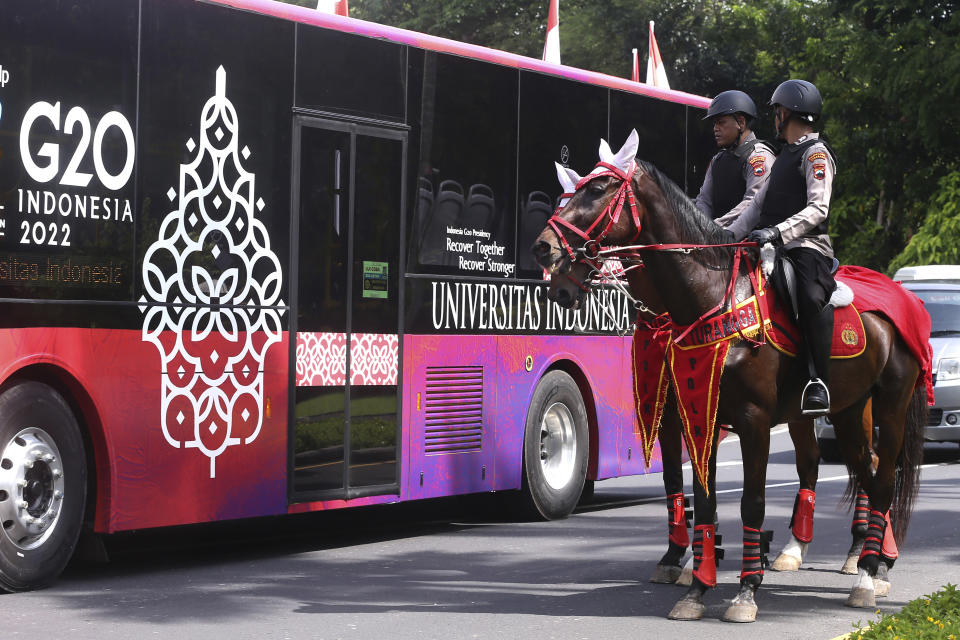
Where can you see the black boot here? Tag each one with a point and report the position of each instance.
(819, 337)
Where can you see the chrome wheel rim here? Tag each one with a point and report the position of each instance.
(558, 445)
(31, 488)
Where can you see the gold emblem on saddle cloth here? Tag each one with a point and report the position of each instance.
(849, 335)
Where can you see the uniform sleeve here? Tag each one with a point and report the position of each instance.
(756, 170)
(704, 198)
(741, 220)
(819, 170)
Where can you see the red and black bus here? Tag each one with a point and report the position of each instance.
(258, 260)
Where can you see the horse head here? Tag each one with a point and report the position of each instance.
(596, 210)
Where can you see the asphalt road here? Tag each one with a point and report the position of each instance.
(455, 569)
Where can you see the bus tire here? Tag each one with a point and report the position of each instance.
(556, 447)
(43, 485)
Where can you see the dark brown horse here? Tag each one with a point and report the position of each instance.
(759, 387)
(566, 288)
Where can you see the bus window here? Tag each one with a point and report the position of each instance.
(660, 125)
(336, 60)
(560, 121)
(465, 214)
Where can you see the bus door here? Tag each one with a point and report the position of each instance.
(346, 237)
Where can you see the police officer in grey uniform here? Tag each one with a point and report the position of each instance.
(791, 209)
(743, 164)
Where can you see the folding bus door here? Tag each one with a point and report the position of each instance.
(345, 226)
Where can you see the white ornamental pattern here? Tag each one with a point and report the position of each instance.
(210, 280)
(322, 359)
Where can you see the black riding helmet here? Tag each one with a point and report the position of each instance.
(799, 96)
(728, 103)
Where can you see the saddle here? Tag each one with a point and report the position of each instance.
(849, 337)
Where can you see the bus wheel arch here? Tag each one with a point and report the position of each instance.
(557, 445)
(49, 434)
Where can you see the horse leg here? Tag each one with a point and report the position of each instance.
(892, 403)
(705, 541)
(861, 508)
(755, 450)
(801, 522)
(668, 569)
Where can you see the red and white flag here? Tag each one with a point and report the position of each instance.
(656, 74)
(551, 48)
(635, 76)
(338, 7)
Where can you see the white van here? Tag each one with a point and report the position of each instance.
(929, 273)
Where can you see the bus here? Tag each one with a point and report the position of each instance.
(259, 260)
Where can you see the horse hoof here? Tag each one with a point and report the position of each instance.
(785, 562)
(687, 610)
(686, 578)
(849, 567)
(741, 612)
(862, 598)
(881, 588)
(666, 574)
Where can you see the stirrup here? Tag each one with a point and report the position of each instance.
(814, 382)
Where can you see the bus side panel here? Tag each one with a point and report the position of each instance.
(601, 363)
(159, 473)
(450, 383)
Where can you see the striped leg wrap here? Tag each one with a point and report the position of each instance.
(873, 541)
(756, 545)
(861, 514)
(677, 519)
(706, 554)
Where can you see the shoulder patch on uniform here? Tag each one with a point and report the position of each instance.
(759, 164)
(819, 171)
(817, 155)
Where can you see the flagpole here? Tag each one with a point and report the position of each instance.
(551, 47)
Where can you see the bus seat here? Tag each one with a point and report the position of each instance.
(536, 212)
(446, 211)
(480, 209)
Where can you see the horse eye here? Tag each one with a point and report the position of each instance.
(597, 187)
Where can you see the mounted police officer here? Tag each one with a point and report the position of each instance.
(743, 164)
(791, 210)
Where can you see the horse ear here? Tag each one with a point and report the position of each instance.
(606, 154)
(568, 178)
(628, 152)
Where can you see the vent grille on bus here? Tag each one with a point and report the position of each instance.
(454, 410)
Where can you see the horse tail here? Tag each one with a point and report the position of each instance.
(907, 479)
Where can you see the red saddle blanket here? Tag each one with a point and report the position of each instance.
(692, 358)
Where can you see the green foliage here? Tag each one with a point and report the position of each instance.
(932, 617)
(938, 240)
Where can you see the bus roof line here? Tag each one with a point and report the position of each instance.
(443, 45)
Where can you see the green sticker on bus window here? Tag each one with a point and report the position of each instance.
(375, 279)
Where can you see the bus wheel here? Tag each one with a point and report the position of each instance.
(43, 485)
(555, 447)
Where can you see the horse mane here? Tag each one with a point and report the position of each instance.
(694, 225)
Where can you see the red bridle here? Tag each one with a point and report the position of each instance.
(623, 197)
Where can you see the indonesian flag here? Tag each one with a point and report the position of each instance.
(338, 7)
(635, 76)
(656, 74)
(551, 48)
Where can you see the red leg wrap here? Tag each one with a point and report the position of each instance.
(704, 557)
(874, 538)
(802, 524)
(677, 520)
(861, 514)
(752, 553)
(889, 547)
